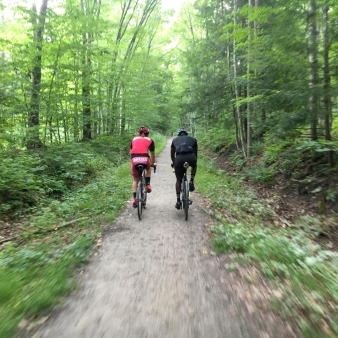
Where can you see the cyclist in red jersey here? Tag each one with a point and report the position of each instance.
(139, 152)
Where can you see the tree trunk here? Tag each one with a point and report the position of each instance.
(238, 112)
(248, 115)
(327, 81)
(314, 72)
(38, 23)
(90, 10)
(76, 103)
(86, 104)
(116, 84)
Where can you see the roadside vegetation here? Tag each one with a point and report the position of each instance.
(269, 118)
(66, 196)
(288, 255)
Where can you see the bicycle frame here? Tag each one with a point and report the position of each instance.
(185, 192)
(141, 191)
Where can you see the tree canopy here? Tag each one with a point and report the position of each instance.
(241, 69)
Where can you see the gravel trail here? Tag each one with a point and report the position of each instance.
(157, 278)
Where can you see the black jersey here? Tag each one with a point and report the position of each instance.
(184, 144)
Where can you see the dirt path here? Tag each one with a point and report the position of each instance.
(156, 278)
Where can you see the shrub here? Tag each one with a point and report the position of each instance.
(19, 186)
(260, 173)
(26, 178)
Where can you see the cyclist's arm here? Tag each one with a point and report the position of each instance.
(152, 152)
(195, 149)
(172, 154)
(152, 157)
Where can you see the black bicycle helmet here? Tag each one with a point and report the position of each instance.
(144, 130)
(182, 131)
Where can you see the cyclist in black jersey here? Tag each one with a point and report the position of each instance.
(183, 149)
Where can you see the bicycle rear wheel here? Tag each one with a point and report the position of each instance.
(186, 198)
(139, 199)
(144, 197)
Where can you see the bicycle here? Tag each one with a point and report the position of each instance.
(185, 192)
(141, 191)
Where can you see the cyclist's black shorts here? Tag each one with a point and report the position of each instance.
(180, 159)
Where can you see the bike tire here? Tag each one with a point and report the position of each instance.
(144, 197)
(139, 200)
(186, 199)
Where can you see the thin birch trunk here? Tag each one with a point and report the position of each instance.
(327, 81)
(254, 106)
(248, 116)
(238, 113)
(314, 72)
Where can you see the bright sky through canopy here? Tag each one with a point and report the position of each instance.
(173, 4)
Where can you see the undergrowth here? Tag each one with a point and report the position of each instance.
(307, 274)
(29, 178)
(95, 183)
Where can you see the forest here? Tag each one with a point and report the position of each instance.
(254, 81)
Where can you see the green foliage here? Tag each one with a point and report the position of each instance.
(37, 279)
(330, 195)
(306, 273)
(42, 271)
(113, 149)
(19, 185)
(260, 173)
(216, 139)
(103, 197)
(26, 179)
(111, 78)
(160, 141)
(276, 156)
(311, 271)
(227, 193)
(237, 160)
(276, 146)
(257, 147)
(320, 146)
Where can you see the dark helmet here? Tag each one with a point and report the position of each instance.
(182, 131)
(144, 130)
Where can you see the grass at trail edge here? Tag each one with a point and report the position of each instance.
(38, 271)
(306, 274)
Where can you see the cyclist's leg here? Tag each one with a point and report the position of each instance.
(193, 165)
(148, 175)
(178, 191)
(193, 171)
(178, 185)
(136, 178)
(179, 172)
(134, 185)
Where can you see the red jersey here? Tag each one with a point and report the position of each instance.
(141, 145)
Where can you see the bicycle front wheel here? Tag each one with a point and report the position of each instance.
(186, 198)
(139, 200)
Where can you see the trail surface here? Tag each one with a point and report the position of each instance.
(157, 278)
